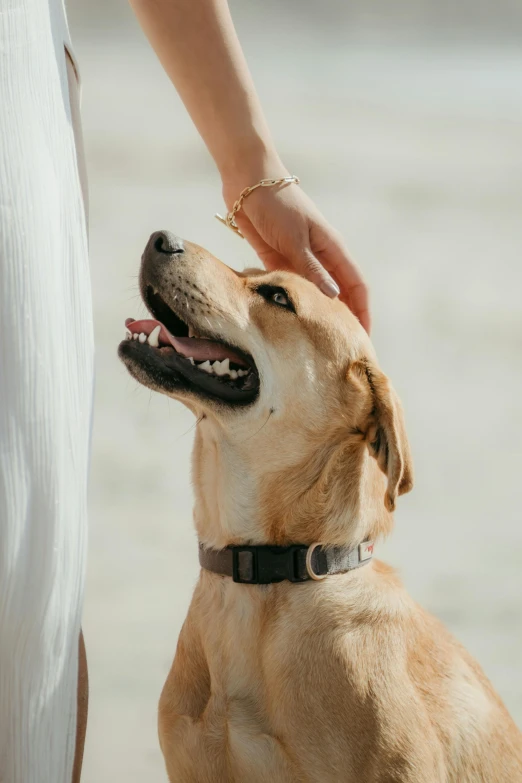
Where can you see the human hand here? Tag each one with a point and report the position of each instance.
(200, 51)
(287, 231)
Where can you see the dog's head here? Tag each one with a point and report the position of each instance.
(283, 376)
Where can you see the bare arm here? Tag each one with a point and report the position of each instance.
(196, 42)
(197, 45)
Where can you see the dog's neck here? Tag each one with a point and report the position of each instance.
(252, 490)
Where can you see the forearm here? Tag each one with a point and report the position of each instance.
(196, 42)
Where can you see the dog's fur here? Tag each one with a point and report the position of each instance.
(346, 679)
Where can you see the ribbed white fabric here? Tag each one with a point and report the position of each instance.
(46, 380)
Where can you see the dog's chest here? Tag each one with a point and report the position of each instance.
(237, 725)
(233, 643)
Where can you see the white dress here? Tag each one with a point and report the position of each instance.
(46, 380)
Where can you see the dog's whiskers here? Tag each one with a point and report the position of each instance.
(270, 412)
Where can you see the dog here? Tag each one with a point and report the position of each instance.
(302, 659)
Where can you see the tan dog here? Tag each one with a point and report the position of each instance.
(300, 439)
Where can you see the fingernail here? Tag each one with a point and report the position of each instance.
(330, 288)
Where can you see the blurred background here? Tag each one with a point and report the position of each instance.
(404, 122)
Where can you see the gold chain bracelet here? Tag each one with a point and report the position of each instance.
(229, 220)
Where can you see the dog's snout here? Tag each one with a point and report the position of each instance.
(168, 243)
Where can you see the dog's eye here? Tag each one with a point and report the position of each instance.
(280, 299)
(276, 295)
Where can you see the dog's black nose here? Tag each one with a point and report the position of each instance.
(167, 242)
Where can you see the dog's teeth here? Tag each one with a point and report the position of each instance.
(154, 337)
(191, 360)
(135, 336)
(222, 368)
(143, 337)
(128, 334)
(241, 373)
(233, 374)
(206, 367)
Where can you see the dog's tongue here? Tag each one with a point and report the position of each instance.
(189, 347)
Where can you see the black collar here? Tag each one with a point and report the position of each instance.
(261, 565)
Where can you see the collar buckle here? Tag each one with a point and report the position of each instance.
(265, 564)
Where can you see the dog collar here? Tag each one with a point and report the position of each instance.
(261, 565)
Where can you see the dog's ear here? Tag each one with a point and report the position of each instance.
(386, 433)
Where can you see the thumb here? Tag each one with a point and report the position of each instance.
(307, 265)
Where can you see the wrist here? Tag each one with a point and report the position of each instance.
(247, 167)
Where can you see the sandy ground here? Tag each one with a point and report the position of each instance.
(417, 156)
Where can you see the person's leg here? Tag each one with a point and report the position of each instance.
(82, 711)
(46, 380)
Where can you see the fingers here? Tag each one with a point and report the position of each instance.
(309, 247)
(293, 253)
(274, 261)
(306, 264)
(358, 302)
(354, 291)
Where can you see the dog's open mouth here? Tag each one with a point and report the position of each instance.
(174, 355)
